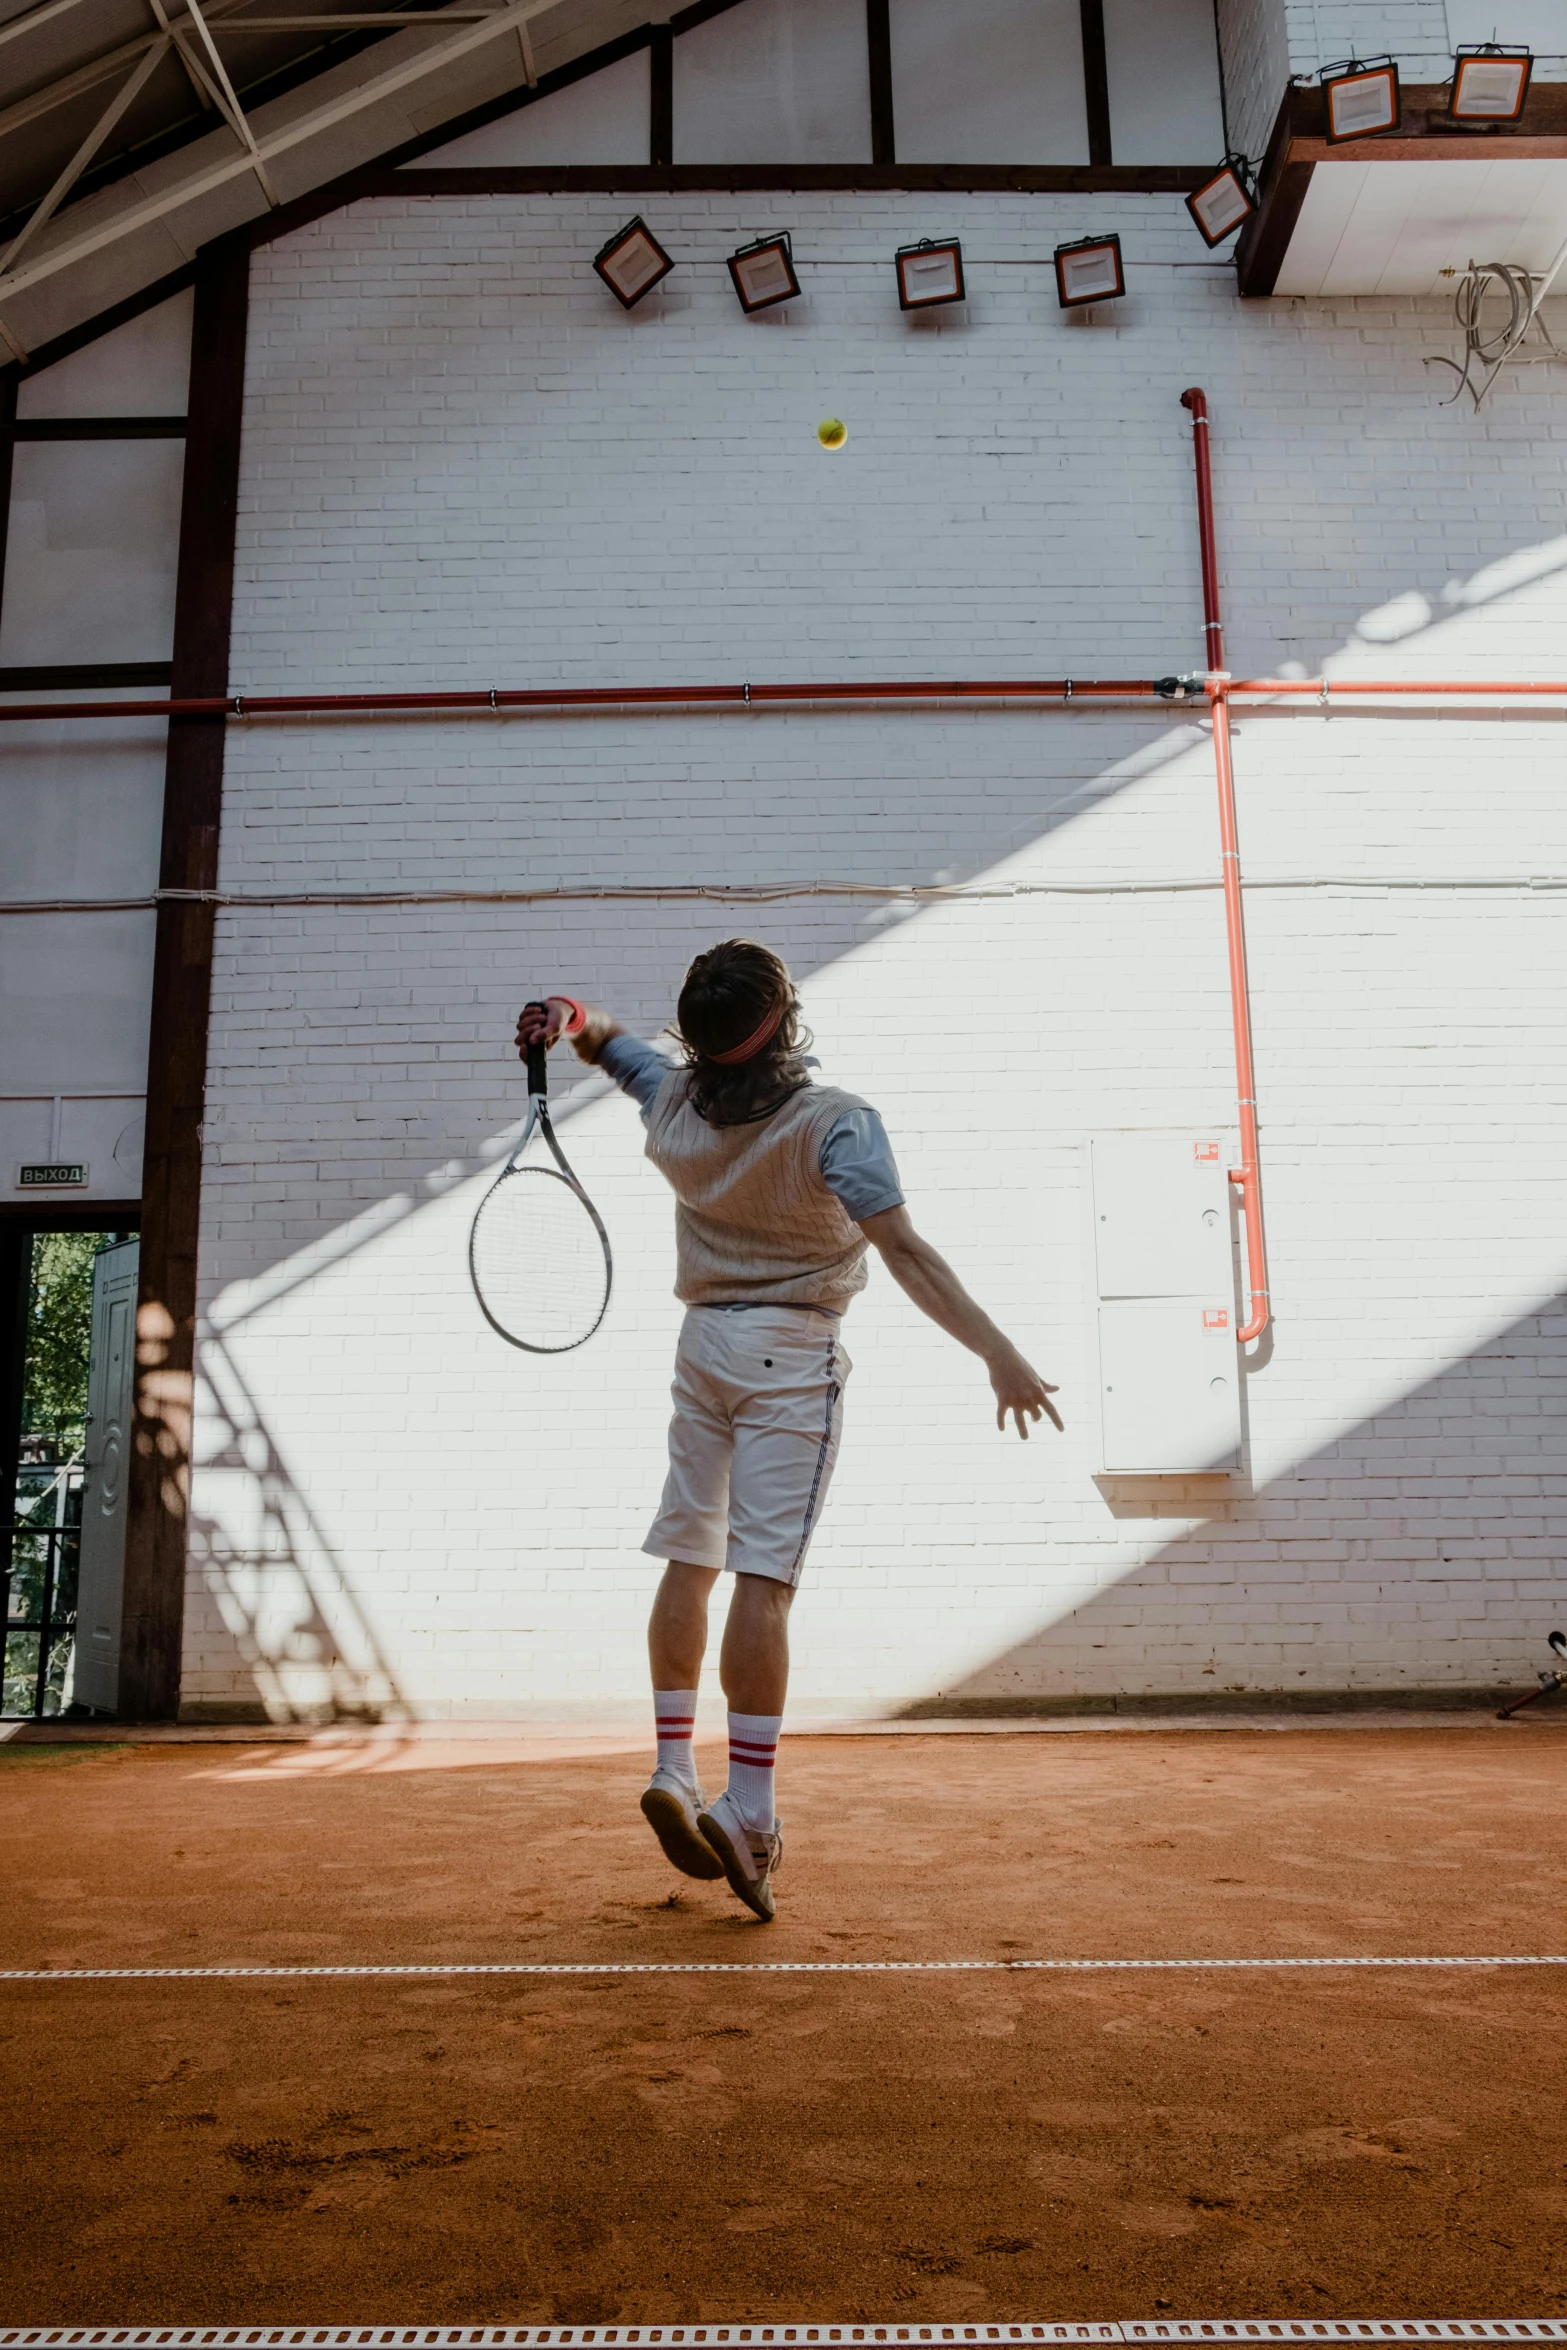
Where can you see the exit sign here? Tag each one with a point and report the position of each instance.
(61, 1177)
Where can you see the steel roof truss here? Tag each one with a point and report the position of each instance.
(222, 90)
(128, 91)
(99, 69)
(513, 17)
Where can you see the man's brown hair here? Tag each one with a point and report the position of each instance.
(729, 993)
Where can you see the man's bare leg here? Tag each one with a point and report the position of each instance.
(754, 1662)
(677, 1628)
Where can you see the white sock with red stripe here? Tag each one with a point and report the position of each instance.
(674, 1719)
(753, 1749)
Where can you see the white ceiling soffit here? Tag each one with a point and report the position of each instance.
(109, 245)
(1393, 228)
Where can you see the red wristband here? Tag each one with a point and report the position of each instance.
(579, 1018)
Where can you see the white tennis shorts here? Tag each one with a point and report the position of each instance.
(754, 1438)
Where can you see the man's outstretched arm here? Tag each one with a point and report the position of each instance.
(923, 1274)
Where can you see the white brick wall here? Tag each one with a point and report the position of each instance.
(1255, 49)
(464, 465)
(1414, 31)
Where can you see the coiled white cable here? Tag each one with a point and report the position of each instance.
(1487, 353)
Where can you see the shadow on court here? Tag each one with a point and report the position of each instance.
(856, 2144)
(283, 1597)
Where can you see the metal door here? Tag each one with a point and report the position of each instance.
(111, 1374)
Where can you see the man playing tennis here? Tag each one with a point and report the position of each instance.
(780, 1185)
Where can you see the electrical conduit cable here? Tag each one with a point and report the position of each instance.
(1246, 1175)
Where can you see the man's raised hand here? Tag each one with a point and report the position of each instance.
(535, 1021)
(588, 1038)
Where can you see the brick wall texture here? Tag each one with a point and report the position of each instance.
(1254, 46)
(464, 465)
(1321, 32)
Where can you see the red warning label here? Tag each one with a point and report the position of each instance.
(1215, 1318)
(1205, 1153)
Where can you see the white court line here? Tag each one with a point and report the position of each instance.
(710, 1966)
(756, 2336)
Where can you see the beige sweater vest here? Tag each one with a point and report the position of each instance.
(755, 1223)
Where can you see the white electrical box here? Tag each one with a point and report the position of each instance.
(1169, 1375)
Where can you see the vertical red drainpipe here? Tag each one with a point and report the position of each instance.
(1246, 1174)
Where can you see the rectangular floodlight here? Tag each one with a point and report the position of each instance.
(763, 273)
(930, 273)
(1362, 98)
(632, 263)
(1089, 270)
(1222, 202)
(1490, 83)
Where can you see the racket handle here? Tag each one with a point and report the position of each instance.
(538, 1057)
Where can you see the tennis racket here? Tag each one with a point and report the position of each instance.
(538, 1253)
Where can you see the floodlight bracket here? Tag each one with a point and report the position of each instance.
(1334, 73)
(1245, 171)
(782, 236)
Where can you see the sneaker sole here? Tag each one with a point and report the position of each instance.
(757, 1892)
(683, 1847)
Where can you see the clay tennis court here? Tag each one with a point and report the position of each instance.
(1001, 2143)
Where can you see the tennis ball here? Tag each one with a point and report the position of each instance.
(832, 432)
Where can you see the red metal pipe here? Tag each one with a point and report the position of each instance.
(1424, 689)
(1213, 632)
(604, 697)
(1246, 1175)
(1049, 692)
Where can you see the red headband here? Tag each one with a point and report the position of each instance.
(754, 1042)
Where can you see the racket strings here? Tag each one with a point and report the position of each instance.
(540, 1262)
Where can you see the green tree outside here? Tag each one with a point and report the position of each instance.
(59, 1337)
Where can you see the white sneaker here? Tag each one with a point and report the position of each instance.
(670, 1806)
(751, 1857)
